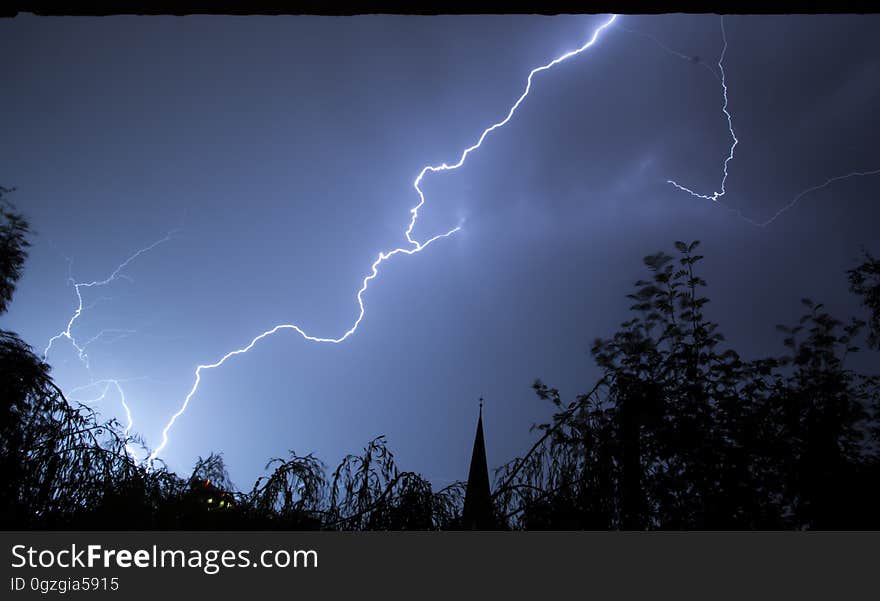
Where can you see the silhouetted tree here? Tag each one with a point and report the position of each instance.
(826, 424)
(292, 496)
(13, 247)
(864, 281)
(680, 433)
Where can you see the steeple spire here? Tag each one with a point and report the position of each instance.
(478, 513)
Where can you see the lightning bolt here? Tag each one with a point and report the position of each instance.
(414, 248)
(797, 198)
(81, 348)
(714, 196)
(80, 308)
(117, 384)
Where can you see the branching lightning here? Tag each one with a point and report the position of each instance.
(81, 308)
(714, 196)
(82, 348)
(117, 384)
(415, 245)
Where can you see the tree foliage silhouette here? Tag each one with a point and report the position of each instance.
(681, 433)
(864, 281)
(13, 247)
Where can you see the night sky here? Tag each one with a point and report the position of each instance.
(283, 150)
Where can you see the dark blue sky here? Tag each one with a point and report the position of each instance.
(285, 150)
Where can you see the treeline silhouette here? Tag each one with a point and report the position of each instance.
(679, 432)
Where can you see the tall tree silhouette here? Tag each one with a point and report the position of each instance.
(682, 433)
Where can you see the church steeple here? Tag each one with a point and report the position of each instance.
(478, 513)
